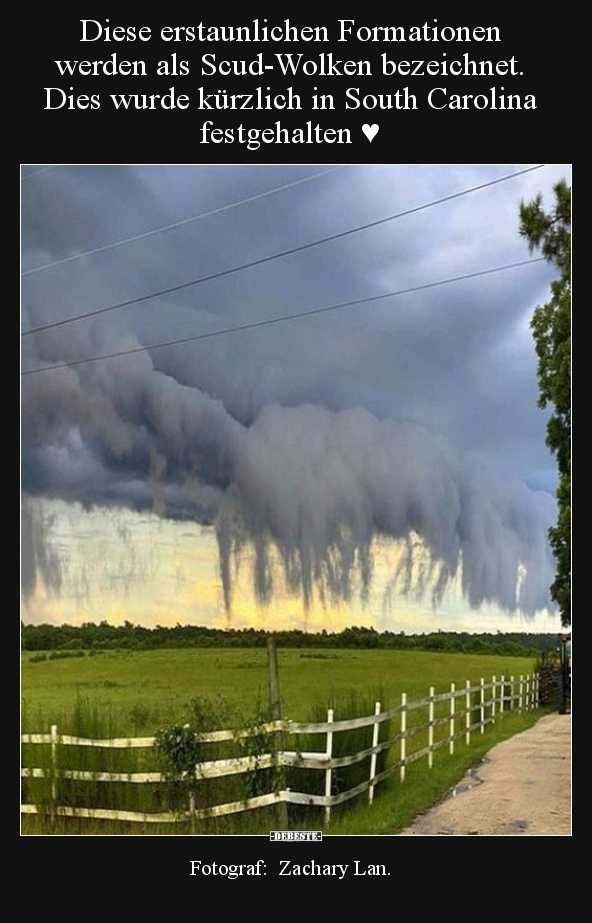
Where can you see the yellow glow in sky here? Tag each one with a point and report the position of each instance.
(119, 565)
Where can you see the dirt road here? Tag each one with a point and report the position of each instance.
(522, 788)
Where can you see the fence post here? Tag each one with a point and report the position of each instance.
(278, 738)
(527, 695)
(536, 690)
(375, 730)
(403, 734)
(54, 766)
(452, 710)
(468, 712)
(511, 693)
(192, 810)
(328, 771)
(520, 693)
(493, 694)
(431, 729)
(502, 694)
(482, 705)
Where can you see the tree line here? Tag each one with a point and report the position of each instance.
(103, 636)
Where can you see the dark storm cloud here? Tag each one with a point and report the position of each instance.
(185, 428)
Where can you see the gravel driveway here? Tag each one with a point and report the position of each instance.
(522, 788)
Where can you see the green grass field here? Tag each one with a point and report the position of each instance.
(137, 692)
(144, 690)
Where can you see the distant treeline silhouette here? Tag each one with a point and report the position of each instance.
(102, 636)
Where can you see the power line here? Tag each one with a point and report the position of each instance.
(52, 166)
(276, 256)
(286, 317)
(177, 224)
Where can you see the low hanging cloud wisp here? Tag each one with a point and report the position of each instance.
(308, 485)
(317, 487)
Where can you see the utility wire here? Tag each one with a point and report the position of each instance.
(178, 224)
(286, 317)
(53, 166)
(276, 256)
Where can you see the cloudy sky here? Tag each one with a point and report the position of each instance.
(384, 463)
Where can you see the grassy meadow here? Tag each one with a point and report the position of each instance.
(143, 690)
(117, 693)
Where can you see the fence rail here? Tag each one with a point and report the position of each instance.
(506, 693)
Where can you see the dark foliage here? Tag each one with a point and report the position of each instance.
(95, 638)
(551, 327)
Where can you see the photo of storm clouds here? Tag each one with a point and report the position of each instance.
(284, 396)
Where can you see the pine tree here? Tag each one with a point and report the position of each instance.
(551, 327)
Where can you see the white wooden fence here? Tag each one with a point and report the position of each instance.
(488, 700)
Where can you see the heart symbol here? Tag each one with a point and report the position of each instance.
(370, 131)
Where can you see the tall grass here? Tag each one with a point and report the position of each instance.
(171, 796)
(179, 790)
(206, 714)
(352, 704)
